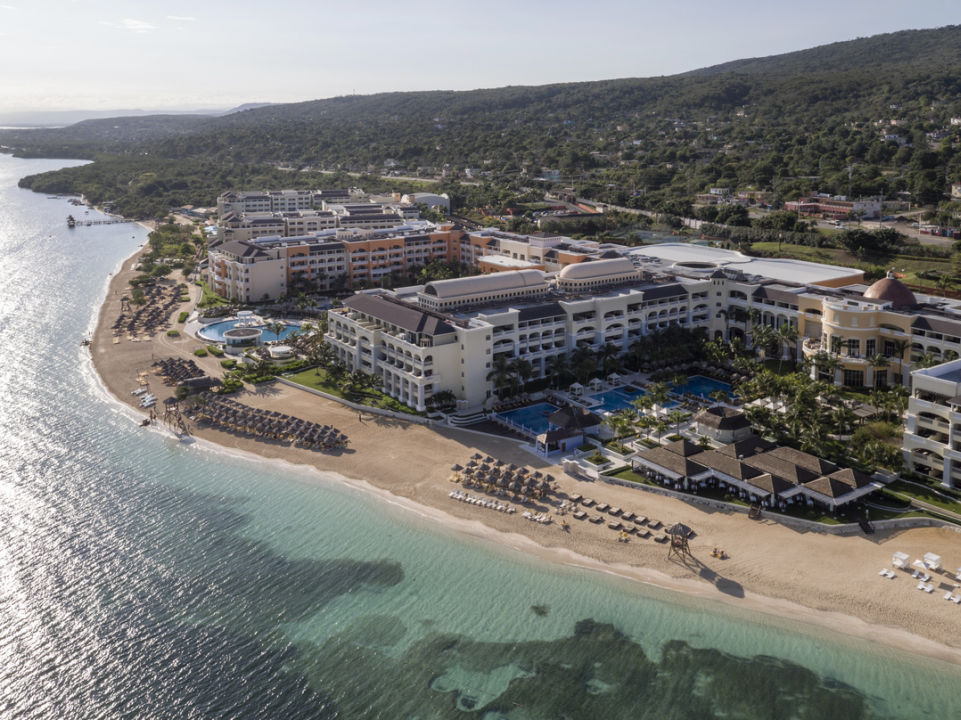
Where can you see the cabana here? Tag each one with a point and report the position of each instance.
(901, 560)
(932, 561)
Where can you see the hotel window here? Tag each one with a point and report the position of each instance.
(870, 348)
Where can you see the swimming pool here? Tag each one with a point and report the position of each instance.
(532, 418)
(703, 386)
(214, 332)
(616, 399)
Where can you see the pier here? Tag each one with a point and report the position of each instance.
(73, 222)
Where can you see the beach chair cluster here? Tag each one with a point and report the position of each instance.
(153, 315)
(228, 414)
(922, 572)
(482, 502)
(498, 478)
(174, 371)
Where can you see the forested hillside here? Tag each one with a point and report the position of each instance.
(862, 117)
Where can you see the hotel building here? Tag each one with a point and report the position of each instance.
(868, 335)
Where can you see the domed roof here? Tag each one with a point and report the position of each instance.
(597, 269)
(891, 290)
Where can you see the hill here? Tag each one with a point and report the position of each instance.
(818, 119)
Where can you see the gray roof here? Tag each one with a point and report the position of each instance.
(677, 464)
(573, 417)
(778, 293)
(817, 465)
(727, 465)
(747, 447)
(241, 249)
(945, 327)
(722, 418)
(399, 314)
(654, 292)
(536, 312)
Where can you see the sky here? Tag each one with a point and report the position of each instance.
(156, 54)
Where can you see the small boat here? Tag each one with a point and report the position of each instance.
(71, 222)
(148, 403)
(138, 391)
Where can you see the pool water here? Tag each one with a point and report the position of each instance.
(616, 399)
(214, 332)
(621, 398)
(531, 417)
(703, 386)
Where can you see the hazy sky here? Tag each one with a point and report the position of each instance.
(105, 54)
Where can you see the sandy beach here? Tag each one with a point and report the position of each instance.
(828, 580)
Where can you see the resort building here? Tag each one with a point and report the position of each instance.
(268, 267)
(836, 208)
(857, 335)
(276, 201)
(474, 321)
(757, 471)
(932, 425)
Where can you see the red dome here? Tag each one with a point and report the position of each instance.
(891, 290)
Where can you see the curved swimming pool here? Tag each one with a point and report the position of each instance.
(214, 332)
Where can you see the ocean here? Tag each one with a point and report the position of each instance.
(145, 578)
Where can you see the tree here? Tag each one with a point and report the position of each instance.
(676, 417)
(787, 336)
(659, 393)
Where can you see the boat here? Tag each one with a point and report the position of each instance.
(138, 391)
(71, 222)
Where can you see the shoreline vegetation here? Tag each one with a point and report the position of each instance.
(824, 580)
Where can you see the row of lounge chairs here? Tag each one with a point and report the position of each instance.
(267, 424)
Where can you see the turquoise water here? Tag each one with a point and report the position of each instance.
(621, 398)
(616, 399)
(531, 417)
(702, 386)
(143, 578)
(214, 332)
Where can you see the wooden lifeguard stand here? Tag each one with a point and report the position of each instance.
(678, 535)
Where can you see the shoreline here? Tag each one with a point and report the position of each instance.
(781, 573)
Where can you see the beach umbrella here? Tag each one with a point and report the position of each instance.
(476, 456)
(456, 468)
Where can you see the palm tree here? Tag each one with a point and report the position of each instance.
(660, 426)
(659, 394)
(718, 396)
(677, 417)
(558, 370)
(276, 328)
(643, 403)
(609, 360)
(787, 337)
(500, 374)
(878, 363)
(522, 371)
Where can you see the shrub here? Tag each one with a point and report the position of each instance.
(229, 363)
(215, 351)
(173, 333)
(182, 317)
(200, 352)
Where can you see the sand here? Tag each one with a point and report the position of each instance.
(812, 577)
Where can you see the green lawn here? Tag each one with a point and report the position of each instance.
(318, 379)
(209, 298)
(910, 266)
(907, 491)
